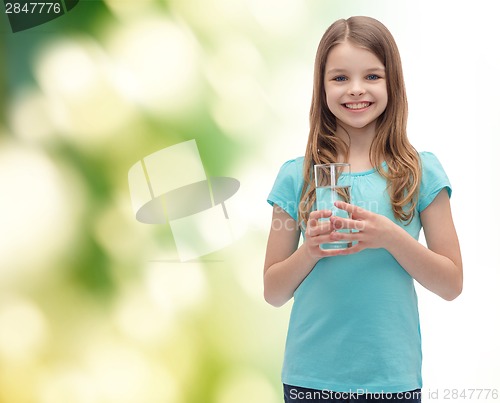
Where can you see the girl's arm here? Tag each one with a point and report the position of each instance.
(437, 267)
(286, 266)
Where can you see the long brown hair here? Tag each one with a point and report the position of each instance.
(390, 143)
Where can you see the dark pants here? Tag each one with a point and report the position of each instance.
(296, 394)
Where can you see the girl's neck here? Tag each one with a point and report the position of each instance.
(359, 141)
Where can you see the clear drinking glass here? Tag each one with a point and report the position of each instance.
(333, 183)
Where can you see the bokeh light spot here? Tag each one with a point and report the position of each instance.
(77, 78)
(159, 59)
(23, 327)
(38, 212)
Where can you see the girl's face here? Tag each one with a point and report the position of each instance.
(355, 87)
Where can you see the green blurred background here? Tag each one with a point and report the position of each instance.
(94, 306)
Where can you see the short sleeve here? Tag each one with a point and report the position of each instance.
(434, 179)
(287, 187)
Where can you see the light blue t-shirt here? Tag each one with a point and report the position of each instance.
(354, 323)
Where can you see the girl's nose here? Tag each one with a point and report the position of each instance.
(356, 89)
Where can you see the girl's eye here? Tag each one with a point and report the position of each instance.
(340, 78)
(372, 77)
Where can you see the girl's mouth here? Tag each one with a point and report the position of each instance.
(357, 105)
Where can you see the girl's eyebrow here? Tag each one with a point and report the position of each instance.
(370, 70)
(335, 71)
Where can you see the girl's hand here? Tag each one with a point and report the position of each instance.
(372, 230)
(319, 231)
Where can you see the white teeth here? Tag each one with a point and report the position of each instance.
(358, 106)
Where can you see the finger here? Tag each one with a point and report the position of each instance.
(320, 240)
(344, 236)
(317, 219)
(317, 214)
(339, 223)
(354, 249)
(321, 228)
(351, 250)
(351, 208)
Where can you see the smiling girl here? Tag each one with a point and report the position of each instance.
(354, 329)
